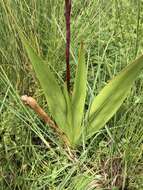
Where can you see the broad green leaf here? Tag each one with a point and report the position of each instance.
(105, 105)
(53, 93)
(79, 93)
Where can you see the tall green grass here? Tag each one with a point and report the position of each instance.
(112, 33)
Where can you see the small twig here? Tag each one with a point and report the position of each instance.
(32, 103)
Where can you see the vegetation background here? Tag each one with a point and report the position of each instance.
(112, 33)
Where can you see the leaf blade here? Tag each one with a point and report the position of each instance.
(69, 129)
(52, 90)
(108, 101)
(79, 93)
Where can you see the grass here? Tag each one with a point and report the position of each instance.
(112, 33)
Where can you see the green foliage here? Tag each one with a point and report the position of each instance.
(105, 105)
(111, 35)
(68, 128)
(79, 94)
(53, 93)
(84, 182)
(68, 111)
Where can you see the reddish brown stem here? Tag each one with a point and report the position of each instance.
(68, 16)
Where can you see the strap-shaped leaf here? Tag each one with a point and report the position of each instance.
(112, 96)
(79, 93)
(69, 124)
(53, 93)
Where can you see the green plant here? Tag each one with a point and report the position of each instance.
(67, 109)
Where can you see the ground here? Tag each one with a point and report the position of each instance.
(112, 34)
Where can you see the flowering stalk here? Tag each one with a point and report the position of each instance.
(68, 16)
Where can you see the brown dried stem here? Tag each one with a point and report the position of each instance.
(32, 103)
